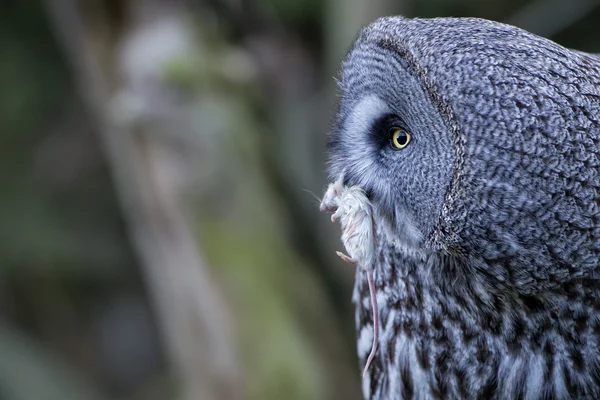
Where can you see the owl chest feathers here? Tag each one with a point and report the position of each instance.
(453, 338)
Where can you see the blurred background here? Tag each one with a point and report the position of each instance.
(160, 164)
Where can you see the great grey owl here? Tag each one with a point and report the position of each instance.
(476, 147)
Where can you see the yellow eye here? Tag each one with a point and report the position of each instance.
(400, 138)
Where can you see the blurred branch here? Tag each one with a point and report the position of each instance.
(550, 17)
(193, 321)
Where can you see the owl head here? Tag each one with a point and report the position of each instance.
(390, 139)
(469, 137)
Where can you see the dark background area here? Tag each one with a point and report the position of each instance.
(160, 167)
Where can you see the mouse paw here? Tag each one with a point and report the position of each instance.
(346, 258)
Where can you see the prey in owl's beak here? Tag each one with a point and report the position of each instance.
(354, 209)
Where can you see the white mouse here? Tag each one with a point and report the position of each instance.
(353, 209)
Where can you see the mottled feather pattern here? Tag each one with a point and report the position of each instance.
(451, 337)
(486, 264)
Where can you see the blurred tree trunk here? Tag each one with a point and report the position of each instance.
(116, 49)
(550, 17)
(258, 140)
(346, 17)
